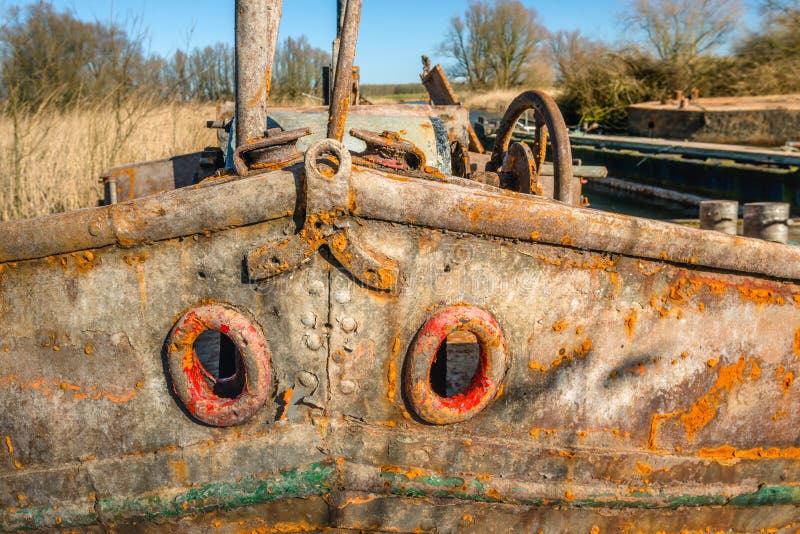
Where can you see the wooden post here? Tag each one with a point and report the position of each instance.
(719, 215)
(767, 220)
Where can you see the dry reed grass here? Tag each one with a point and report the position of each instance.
(53, 162)
(494, 101)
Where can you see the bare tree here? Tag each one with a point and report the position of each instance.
(494, 42)
(298, 68)
(681, 30)
(42, 48)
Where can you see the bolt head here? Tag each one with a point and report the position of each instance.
(348, 324)
(317, 287)
(307, 380)
(309, 319)
(347, 387)
(314, 342)
(342, 296)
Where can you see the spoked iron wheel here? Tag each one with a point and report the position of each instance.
(549, 124)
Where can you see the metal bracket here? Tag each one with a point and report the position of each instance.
(268, 153)
(522, 172)
(327, 198)
(387, 149)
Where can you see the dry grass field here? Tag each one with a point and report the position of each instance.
(52, 160)
(490, 101)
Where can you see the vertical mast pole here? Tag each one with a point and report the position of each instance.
(343, 78)
(257, 23)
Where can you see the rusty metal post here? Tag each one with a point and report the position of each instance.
(767, 220)
(341, 7)
(343, 78)
(719, 215)
(257, 23)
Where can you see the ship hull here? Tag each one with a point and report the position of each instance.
(647, 369)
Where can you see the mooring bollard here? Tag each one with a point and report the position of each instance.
(767, 220)
(719, 215)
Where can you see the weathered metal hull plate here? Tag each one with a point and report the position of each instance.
(640, 394)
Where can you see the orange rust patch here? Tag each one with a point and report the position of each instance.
(643, 469)
(410, 474)
(536, 366)
(579, 351)
(796, 343)
(534, 432)
(755, 370)
(355, 500)
(726, 453)
(760, 296)
(630, 323)
(697, 416)
(787, 381)
(568, 495)
(583, 348)
(10, 446)
(77, 391)
(704, 410)
(559, 326)
(677, 289)
(391, 379)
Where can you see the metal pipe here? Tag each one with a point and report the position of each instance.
(343, 80)
(257, 23)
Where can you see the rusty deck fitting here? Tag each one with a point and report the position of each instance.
(190, 380)
(549, 123)
(389, 150)
(484, 385)
(275, 151)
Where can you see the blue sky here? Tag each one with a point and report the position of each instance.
(392, 37)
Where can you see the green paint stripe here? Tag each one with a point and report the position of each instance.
(314, 479)
(766, 496)
(297, 482)
(317, 479)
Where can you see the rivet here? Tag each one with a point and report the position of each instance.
(313, 342)
(96, 226)
(348, 324)
(338, 356)
(342, 296)
(316, 287)
(347, 387)
(307, 380)
(309, 319)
